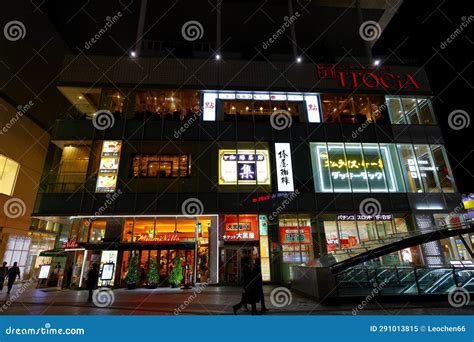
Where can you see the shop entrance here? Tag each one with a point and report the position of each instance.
(231, 261)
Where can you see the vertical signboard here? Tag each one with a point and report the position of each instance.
(209, 107)
(284, 167)
(108, 167)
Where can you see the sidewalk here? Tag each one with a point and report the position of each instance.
(212, 300)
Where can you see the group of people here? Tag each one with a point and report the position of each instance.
(253, 286)
(11, 273)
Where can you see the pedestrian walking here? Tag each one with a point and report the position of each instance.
(13, 272)
(250, 294)
(3, 274)
(92, 278)
(259, 284)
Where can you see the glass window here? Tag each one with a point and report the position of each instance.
(8, 174)
(375, 168)
(357, 109)
(166, 104)
(426, 112)
(409, 107)
(393, 172)
(367, 231)
(397, 116)
(144, 229)
(161, 166)
(321, 170)
(348, 234)
(337, 162)
(97, 231)
(127, 230)
(410, 168)
(427, 169)
(332, 236)
(356, 167)
(244, 167)
(443, 169)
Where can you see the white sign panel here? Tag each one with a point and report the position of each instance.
(209, 107)
(244, 167)
(312, 107)
(44, 271)
(244, 96)
(284, 167)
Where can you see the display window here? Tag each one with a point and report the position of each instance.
(161, 166)
(295, 239)
(355, 109)
(410, 110)
(166, 104)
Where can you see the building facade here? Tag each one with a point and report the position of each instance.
(215, 161)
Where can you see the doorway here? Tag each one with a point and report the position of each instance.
(231, 264)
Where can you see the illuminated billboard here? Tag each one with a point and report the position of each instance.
(244, 167)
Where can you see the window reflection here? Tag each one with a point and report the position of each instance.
(259, 110)
(161, 166)
(166, 104)
(410, 110)
(357, 109)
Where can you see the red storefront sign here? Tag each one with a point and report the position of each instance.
(240, 228)
(293, 235)
(354, 76)
(70, 244)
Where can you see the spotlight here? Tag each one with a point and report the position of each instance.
(298, 60)
(133, 54)
(218, 57)
(377, 62)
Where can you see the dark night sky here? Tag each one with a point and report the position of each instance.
(417, 31)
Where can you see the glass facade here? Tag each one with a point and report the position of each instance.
(161, 166)
(352, 167)
(8, 174)
(355, 109)
(370, 167)
(410, 110)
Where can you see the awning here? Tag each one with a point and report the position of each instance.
(53, 253)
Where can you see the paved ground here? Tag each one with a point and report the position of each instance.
(212, 300)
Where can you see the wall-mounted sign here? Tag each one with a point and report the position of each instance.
(295, 235)
(240, 228)
(245, 167)
(372, 77)
(227, 96)
(209, 106)
(284, 167)
(278, 97)
(161, 237)
(360, 217)
(261, 97)
(312, 108)
(243, 96)
(70, 244)
(108, 166)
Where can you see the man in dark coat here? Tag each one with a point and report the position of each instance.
(250, 295)
(3, 274)
(92, 278)
(257, 274)
(13, 272)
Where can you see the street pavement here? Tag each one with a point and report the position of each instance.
(210, 300)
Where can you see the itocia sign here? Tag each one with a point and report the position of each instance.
(350, 76)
